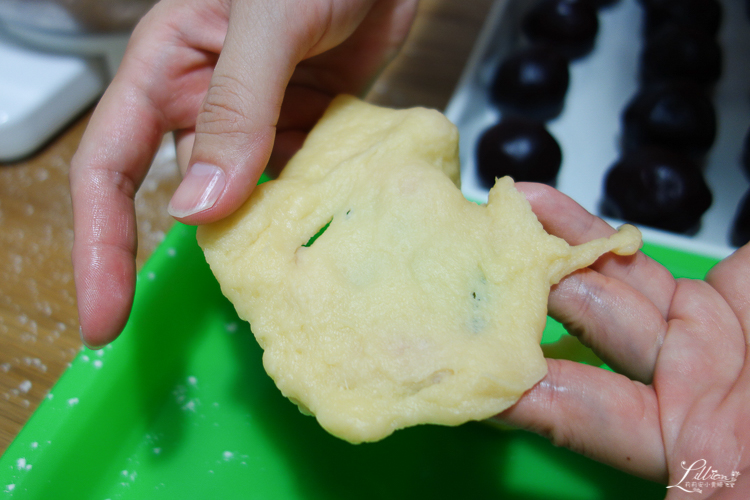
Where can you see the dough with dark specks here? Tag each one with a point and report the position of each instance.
(413, 305)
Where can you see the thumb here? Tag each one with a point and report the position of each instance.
(235, 127)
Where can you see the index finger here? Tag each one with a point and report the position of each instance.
(113, 157)
(563, 217)
(597, 413)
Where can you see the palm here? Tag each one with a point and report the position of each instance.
(701, 380)
(678, 348)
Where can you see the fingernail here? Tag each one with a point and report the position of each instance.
(198, 191)
(89, 345)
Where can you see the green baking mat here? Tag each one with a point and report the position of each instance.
(180, 407)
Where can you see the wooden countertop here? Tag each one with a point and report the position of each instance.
(38, 319)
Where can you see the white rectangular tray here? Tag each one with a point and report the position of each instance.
(588, 130)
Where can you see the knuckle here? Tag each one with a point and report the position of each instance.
(587, 294)
(560, 431)
(580, 296)
(104, 203)
(222, 109)
(552, 428)
(95, 183)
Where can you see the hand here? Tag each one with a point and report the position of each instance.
(240, 82)
(679, 348)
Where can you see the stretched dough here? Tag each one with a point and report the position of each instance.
(414, 305)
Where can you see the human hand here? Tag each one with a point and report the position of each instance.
(680, 396)
(240, 83)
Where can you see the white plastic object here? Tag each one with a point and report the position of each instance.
(40, 93)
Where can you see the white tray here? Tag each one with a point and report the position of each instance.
(40, 93)
(588, 130)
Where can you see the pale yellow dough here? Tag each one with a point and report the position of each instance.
(415, 305)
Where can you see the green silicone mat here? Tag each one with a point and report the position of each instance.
(180, 407)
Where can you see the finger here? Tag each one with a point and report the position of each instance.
(300, 111)
(731, 278)
(183, 141)
(123, 135)
(351, 66)
(115, 152)
(617, 322)
(704, 344)
(286, 144)
(347, 68)
(240, 116)
(597, 413)
(562, 216)
(237, 123)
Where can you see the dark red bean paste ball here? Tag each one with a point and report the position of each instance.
(657, 188)
(681, 53)
(602, 3)
(740, 234)
(520, 148)
(678, 115)
(745, 160)
(703, 15)
(532, 82)
(568, 25)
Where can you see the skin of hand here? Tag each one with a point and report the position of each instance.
(240, 83)
(680, 392)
